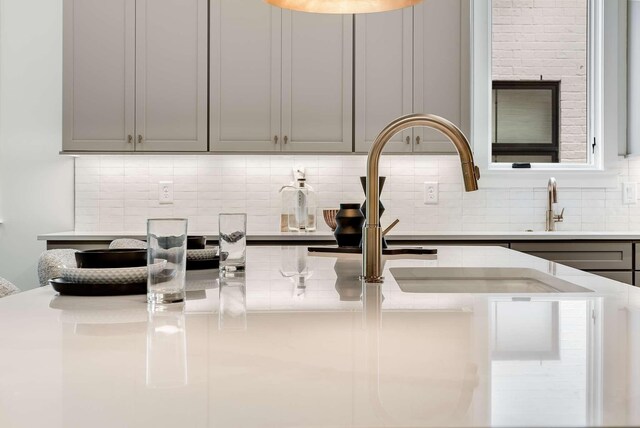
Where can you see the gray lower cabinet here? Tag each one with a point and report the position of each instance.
(622, 276)
(613, 260)
(591, 256)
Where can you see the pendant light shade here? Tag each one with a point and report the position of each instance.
(343, 6)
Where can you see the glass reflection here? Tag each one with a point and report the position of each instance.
(294, 266)
(166, 363)
(232, 313)
(522, 361)
(542, 364)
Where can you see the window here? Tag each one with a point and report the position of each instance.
(546, 42)
(604, 131)
(526, 122)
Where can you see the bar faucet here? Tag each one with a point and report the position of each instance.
(552, 198)
(372, 232)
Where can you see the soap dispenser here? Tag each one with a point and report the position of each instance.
(299, 203)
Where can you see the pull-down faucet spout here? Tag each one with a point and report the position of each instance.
(372, 233)
(552, 197)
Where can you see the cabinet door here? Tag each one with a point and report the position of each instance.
(317, 70)
(590, 256)
(441, 61)
(171, 75)
(99, 73)
(384, 77)
(245, 76)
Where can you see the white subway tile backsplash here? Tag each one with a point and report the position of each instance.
(121, 192)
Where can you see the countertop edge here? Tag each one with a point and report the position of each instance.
(327, 236)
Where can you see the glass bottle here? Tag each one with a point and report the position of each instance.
(299, 203)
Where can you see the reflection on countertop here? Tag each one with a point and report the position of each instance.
(251, 349)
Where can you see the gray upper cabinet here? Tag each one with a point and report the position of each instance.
(317, 66)
(384, 77)
(135, 75)
(413, 60)
(243, 76)
(99, 75)
(245, 83)
(442, 80)
(281, 81)
(171, 75)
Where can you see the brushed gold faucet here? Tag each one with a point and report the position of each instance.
(552, 198)
(372, 232)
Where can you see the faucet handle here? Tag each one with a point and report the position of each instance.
(558, 218)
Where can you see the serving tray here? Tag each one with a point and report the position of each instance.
(131, 275)
(199, 264)
(69, 288)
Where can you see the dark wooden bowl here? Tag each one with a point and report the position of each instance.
(111, 258)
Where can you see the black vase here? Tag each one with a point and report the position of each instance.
(363, 208)
(349, 221)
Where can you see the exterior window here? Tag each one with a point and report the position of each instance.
(541, 53)
(525, 118)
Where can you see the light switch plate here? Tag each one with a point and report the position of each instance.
(629, 193)
(165, 192)
(430, 192)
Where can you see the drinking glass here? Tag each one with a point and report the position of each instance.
(232, 312)
(233, 241)
(167, 241)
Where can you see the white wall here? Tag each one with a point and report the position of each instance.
(36, 184)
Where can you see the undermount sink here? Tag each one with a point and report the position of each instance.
(480, 280)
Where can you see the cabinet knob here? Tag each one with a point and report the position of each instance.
(139, 138)
(275, 139)
(418, 140)
(286, 139)
(130, 139)
(408, 140)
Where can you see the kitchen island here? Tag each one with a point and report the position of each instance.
(295, 341)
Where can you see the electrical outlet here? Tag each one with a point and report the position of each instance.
(430, 192)
(165, 192)
(629, 193)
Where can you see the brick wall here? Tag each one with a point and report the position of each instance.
(548, 38)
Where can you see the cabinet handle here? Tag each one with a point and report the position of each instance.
(417, 140)
(139, 138)
(130, 139)
(408, 140)
(286, 139)
(275, 139)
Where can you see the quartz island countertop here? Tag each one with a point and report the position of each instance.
(295, 342)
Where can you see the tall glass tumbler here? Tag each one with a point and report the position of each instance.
(233, 241)
(167, 244)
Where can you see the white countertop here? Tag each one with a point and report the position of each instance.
(294, 353)
(324, 236)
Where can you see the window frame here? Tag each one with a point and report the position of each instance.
(529, 149)
(606, 59)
